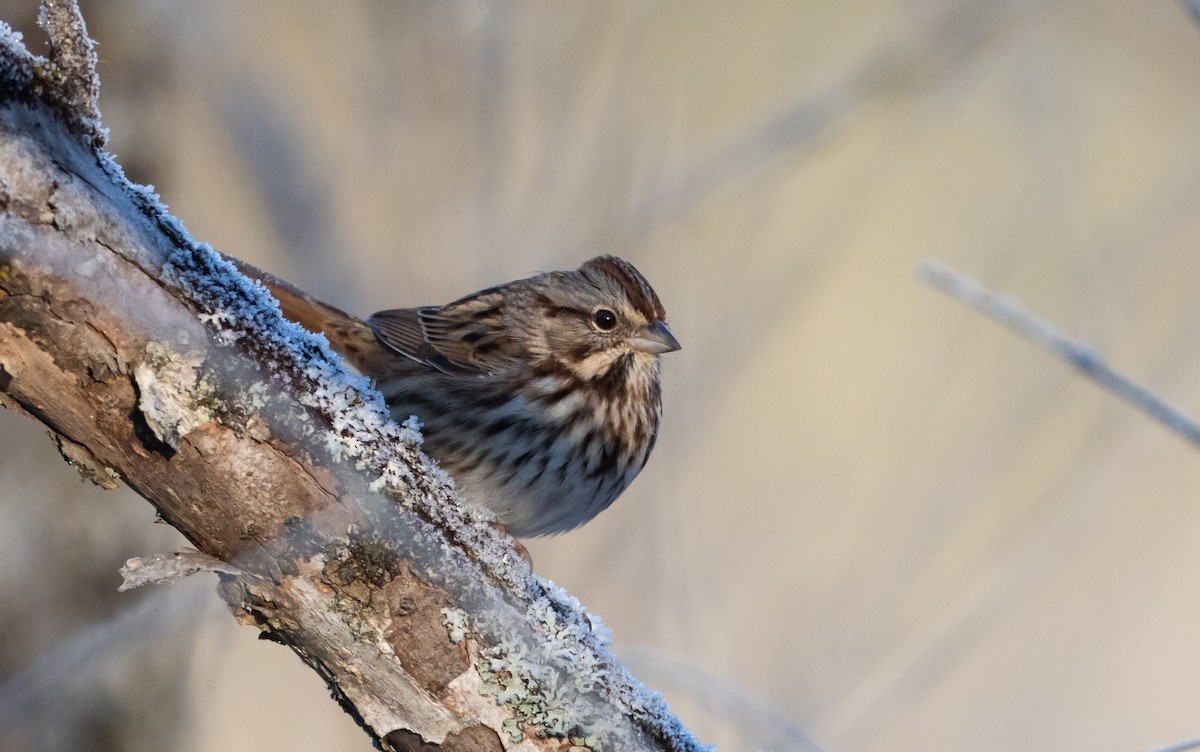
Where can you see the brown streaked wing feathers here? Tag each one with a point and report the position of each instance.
(460, 338)
(400, 329)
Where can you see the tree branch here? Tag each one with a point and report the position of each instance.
(152, 360)
(1085, 359)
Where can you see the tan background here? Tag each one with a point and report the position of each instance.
(874, 519)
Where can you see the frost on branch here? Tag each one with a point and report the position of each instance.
(154, 360)
(70, 77)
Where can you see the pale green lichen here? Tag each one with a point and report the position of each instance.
(511, 681)
(174, 396)
(533, 699)
(255, 396)
(455, 621)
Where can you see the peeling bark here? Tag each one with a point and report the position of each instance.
(152, 361)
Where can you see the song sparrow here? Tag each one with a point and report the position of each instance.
(539, 397)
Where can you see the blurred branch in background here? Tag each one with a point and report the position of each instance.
(720, 699)
(1192, 7)
(1009, 312)
(84, 687)
(908, 60)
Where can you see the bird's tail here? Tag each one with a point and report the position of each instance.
(349, 336)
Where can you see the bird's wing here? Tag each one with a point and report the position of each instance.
(462, 338)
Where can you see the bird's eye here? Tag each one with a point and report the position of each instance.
(604, 319)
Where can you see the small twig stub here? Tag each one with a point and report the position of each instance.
(165, 568)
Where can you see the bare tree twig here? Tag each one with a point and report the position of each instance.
(1009, 312)
(155, 362)
(1193, 8)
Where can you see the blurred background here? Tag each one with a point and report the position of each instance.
(875, 521)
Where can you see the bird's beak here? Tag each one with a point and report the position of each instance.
(655, 339)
